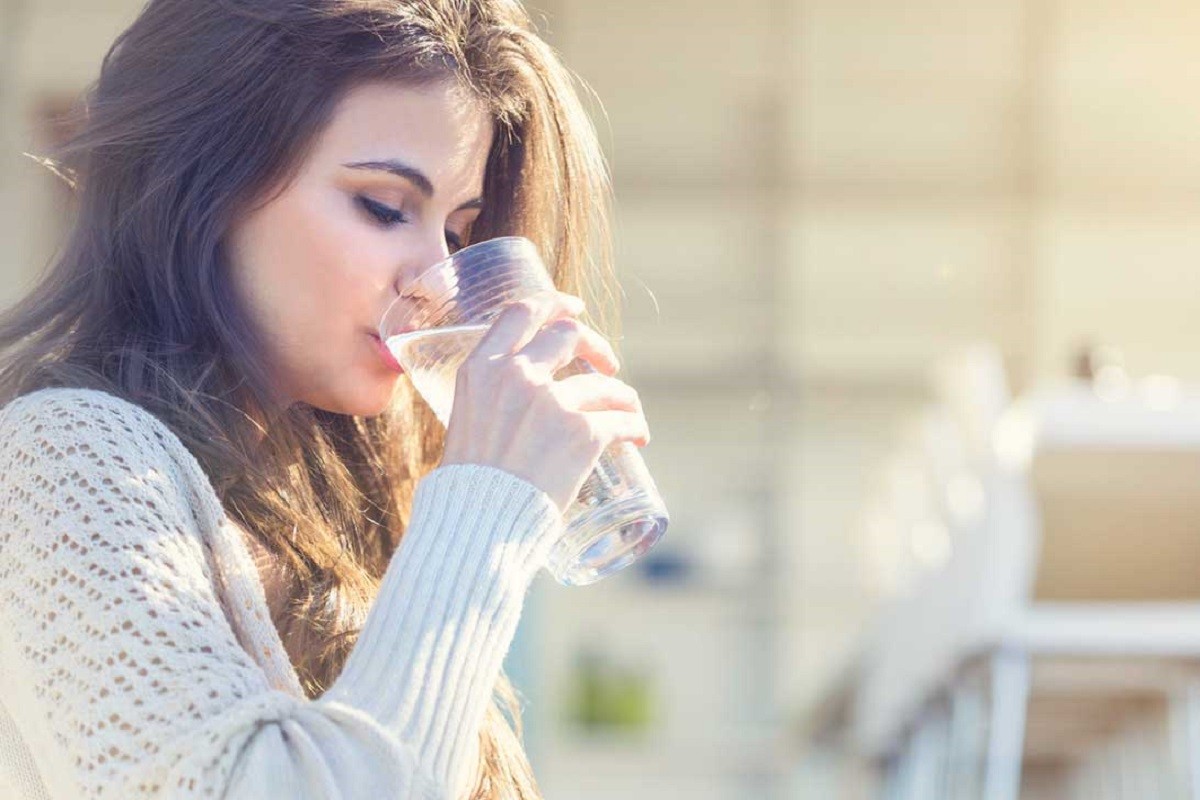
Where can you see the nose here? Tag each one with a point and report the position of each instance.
(411, 279)
(429, 279)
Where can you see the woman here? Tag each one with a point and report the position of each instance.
(239, 558)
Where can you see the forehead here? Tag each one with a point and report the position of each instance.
(439, 129)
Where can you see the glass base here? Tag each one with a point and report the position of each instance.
(606, 540)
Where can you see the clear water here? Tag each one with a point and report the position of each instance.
(432, 358)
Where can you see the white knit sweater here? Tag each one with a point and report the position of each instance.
(137, 656)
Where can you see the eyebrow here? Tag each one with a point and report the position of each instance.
(411, 174)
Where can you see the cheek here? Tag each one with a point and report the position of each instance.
(321, 247)
(316, 276)
(316, 262)
(345, 258)
(273, 264)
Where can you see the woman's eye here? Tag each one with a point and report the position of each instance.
(383, 214)
(389, 216)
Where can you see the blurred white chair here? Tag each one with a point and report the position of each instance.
(1020, 584)
(1060, 581)
(972, 386)
(916, 638)
(917, 635)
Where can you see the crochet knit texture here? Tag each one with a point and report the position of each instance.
(137, 654)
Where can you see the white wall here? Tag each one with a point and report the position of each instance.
(51, 51)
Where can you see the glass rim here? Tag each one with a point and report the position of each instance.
(472, 248)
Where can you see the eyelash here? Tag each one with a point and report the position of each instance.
(390, 216)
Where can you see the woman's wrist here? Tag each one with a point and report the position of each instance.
(516, 515)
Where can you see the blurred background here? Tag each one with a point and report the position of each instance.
(911, 302)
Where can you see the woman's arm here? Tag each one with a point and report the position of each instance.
(130, 665)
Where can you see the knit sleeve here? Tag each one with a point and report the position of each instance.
(129, 666)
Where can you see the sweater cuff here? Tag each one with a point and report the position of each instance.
(430, 653)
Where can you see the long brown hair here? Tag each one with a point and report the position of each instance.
(203, 107)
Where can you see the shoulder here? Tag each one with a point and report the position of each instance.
(85, 432)
(71, 405)
(70, 417)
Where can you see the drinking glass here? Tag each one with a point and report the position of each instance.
(434, 325)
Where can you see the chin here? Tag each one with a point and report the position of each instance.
(369, 401)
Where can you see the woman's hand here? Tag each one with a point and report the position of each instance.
(509, 411)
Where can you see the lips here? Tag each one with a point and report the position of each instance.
(386, 355)
(406, 329)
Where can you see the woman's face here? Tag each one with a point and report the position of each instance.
(392, 186)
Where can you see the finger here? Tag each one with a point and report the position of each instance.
(596, 392)
(518, 323)
(619, 426)
(562, 341)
